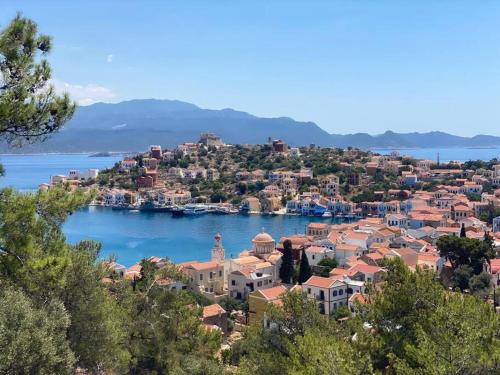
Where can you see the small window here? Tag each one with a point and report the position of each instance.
(220, 273)
(201, 276)
(341, 291)
(308, 290)
(259, 283)
(233, 282)
(334, 293)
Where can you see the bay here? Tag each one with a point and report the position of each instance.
(131, 236)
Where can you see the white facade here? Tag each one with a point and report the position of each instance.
(85, 175)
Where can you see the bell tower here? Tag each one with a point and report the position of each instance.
(218, 250)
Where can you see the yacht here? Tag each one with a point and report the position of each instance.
(195, 209)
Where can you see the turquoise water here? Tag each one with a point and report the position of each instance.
(446, 154)
(26, 172)
(132, 236)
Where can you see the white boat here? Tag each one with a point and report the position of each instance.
(327, 214)
(195, 209)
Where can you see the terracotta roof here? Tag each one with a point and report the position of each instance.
(363, 268)
(359, 297)
(317, 225)
(346, 247)
(200, 266)
(495, 265)
(212, 310)
(273, 293)
(321, 282)
(374, 256)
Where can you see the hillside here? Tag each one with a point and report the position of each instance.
(133, 125)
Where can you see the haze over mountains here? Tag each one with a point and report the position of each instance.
(136, 124)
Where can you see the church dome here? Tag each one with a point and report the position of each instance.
(263, 237)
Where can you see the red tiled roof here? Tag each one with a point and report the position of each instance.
(321, 282)
(273, 293)
(212, 310)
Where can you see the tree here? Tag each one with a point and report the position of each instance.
(327, 265)
(286, 269)
(29, 108)
(305, 270)
(463, 234)
(32, 339)
(480, 284)
(465, 251)
(418, 327)
(34, 255)
(300, 342)
(461, 276)
(460, 337)
(97, 331)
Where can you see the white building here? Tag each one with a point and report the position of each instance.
(331, 292)
(496, 224)
(316, 253)
(83, 176)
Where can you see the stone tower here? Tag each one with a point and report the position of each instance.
(218, 250)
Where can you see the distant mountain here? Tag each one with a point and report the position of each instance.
(134, 125)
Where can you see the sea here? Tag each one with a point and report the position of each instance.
(131, 236)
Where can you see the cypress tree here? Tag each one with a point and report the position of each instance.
(462, 231)
(305, 270)
(286, 269)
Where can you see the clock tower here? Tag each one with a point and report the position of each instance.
(218, 250)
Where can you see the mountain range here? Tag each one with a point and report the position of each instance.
(134, 125)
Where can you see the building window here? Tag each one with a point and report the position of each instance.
(233, 282)
(334, 293)
(308, 290)
(259, 283)
(341, 291)
(220, 273)
(201, 276)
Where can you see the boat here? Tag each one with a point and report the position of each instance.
(177, 211)
(319, 210)
(150, 206)
(225, 210)
(327, 214)
(195, 209)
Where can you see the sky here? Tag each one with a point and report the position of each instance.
(349, 66)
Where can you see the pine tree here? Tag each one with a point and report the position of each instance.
(462, 231)
(286, 269)
(30, 110)
(305, 270)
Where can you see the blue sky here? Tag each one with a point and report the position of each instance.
(350, 66)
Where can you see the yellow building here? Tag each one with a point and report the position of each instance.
(259, 300)
(207, 277)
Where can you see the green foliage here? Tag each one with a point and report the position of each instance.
(462, 251)
(424, 329)
(34, 253)
(97, 330)
(327, 265)
(305, 270)
(29, 108)
(286, 268)
(301, 342)
(32, 339)
(460, 337)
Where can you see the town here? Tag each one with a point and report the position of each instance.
(377, 209)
